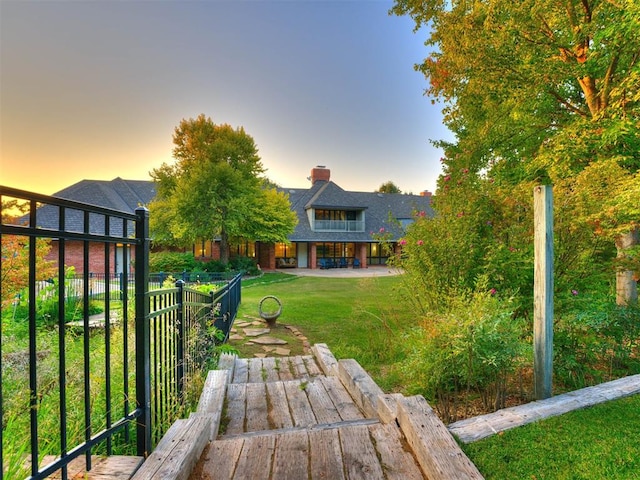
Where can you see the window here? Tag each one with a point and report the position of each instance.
(284, 250)
(338, 220)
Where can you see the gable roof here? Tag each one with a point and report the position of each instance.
(379, 208)
(117, 194)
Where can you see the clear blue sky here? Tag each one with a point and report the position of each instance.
(94, 89)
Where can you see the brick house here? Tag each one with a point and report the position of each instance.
(334, 228)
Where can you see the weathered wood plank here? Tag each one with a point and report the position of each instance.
(310, 428)
(186, 453)
(359, 455)
(301, 411)
(236, 407)
(477, 428)
(325, 455)
(279, 416)
(256, 373)
(227, 361)
(220, 460)
(388, 407)
(116, 467)
(212, 398)
(269, 368)
(298, 367)
(162, 450)
(291, 457)
(256, 458)
(312, 367)
(323, 408)
(341, 399)
(257, 413)
(360, 385)
(241, 371)
(397, 463)
(325, 359)
(178, 451)
(435, 449)
(283, 366)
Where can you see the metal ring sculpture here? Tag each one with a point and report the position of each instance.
(270, 317)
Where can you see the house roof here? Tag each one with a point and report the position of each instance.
(382, 211)
(117, 194)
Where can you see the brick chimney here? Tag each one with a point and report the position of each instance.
(425, 193)
(320, 173)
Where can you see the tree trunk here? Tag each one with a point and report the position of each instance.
(224, 247)
(626, 280)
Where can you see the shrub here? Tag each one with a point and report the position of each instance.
(596, 343)
(244, 264)
(471, 350)
(171, 262)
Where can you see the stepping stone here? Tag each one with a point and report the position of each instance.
(282, 351)
(256, 332)
(269, 341)
(257, 323)
(268, 349)
(260, 355)
(235, 336)
(242, 324)
(234, 330)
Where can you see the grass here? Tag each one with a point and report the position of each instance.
(360, 318)
(600, 442)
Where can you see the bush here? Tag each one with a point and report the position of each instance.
(171, 262)
(244, 264)
(597, 343)
(472, 350)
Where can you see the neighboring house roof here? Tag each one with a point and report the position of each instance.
(117, 194)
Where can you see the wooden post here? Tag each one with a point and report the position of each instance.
(543, 291)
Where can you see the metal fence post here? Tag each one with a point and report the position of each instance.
(143, 348)
(181, 338)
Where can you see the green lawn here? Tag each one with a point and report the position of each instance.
(601, 442)
(359, 318)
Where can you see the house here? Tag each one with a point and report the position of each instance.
(335, 226)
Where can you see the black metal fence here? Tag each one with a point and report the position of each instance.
(112, 384)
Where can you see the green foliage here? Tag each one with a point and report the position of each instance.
(535, 92)
(171, 262)
(244, 264)
(597, 342)
(389, 187)
(214, 190)
(472, 349)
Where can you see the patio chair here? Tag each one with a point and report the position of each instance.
(356, 263)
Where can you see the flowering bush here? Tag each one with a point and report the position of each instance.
(471, 350)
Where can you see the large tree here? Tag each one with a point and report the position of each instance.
(215, 190)
(542, 91)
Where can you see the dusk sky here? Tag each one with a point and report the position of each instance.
(94, 89)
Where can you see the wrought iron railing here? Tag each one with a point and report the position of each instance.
(119, 382)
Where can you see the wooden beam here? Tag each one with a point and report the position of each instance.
(435, 449)
(543, 291)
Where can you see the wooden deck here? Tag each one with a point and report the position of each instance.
(305, 417)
